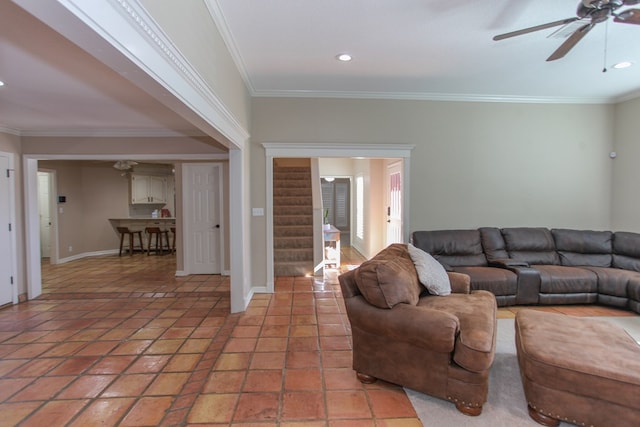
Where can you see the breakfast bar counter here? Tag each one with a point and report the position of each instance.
(142, 223)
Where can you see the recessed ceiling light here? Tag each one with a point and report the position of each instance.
(1, 83)
(344, 57)
(625, 64)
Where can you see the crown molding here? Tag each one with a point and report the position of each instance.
(10, 131)
(427, 96)
(221, 22)
(111, 133)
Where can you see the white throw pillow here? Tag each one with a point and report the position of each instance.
(430, 272)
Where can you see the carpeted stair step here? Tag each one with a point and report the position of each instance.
(292, 220)
(291, 254)
(293, 210)
(293, 231)
(293, 268)
(293, 242)
(292, 192)
(293, 201)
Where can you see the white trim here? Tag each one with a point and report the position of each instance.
(240, 242)
(329, 150)
(111, 133)
(166, 157)
(32, 221)
(426, 96)
(88, 255)
(13, 262)
(32, 227)
(218, 17)
(337, 149)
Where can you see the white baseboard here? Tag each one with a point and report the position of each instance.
(181, 273)
(87, 255)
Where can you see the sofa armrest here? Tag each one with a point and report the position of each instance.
(425, 327)
(507, 263)
(460, 283)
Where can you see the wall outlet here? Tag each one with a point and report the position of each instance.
(70, 248)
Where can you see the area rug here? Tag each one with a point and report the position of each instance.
(506, 405)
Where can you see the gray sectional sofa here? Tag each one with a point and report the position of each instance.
(530, 266)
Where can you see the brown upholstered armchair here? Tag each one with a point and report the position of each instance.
(440, 345)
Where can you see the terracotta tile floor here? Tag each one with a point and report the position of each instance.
(122, 341)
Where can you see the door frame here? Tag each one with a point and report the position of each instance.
(11, 206)
(186, 210)
(32, 220)
(329, 150)
(391, 168)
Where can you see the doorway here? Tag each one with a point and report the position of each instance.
(202, 210)
(46, 214)
(394, 203)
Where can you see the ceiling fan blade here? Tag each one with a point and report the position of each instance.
(571, 42)
(535, 28)
(629, 16)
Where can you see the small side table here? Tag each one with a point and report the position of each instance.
(331, 247)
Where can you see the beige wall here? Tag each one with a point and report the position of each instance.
(94, 193)
(192, 29)
(626, 173)
(474, 164)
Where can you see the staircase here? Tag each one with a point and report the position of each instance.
(292, 221)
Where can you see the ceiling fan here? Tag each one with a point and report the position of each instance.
(124, 165)
(591, 11)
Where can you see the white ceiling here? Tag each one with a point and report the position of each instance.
(406, 49)
(425, 49)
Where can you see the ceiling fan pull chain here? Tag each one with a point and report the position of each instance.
(606, 45)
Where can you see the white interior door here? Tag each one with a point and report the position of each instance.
(6, 255)
(394, 203)
(44, 211)
(202, 217)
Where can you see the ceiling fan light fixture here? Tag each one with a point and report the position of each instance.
(623, 64)
(123, 165)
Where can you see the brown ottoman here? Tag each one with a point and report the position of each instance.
(580, 370)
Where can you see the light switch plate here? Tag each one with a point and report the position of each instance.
(257, 211)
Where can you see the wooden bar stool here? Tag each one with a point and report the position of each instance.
(158, 233)
(124, 231)
(173, 242)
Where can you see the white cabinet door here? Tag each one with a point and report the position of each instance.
(147, 189)
(139, 186)
(157, 189)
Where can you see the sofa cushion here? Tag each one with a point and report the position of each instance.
(476, 313)
(626, 250)
(452, 247)
(531, 245)
(389, 278)
(431, 273)
(584, 247)
(493, 243)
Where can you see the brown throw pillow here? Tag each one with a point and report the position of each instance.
(387, 282)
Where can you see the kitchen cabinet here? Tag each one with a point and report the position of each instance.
(147, 189)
